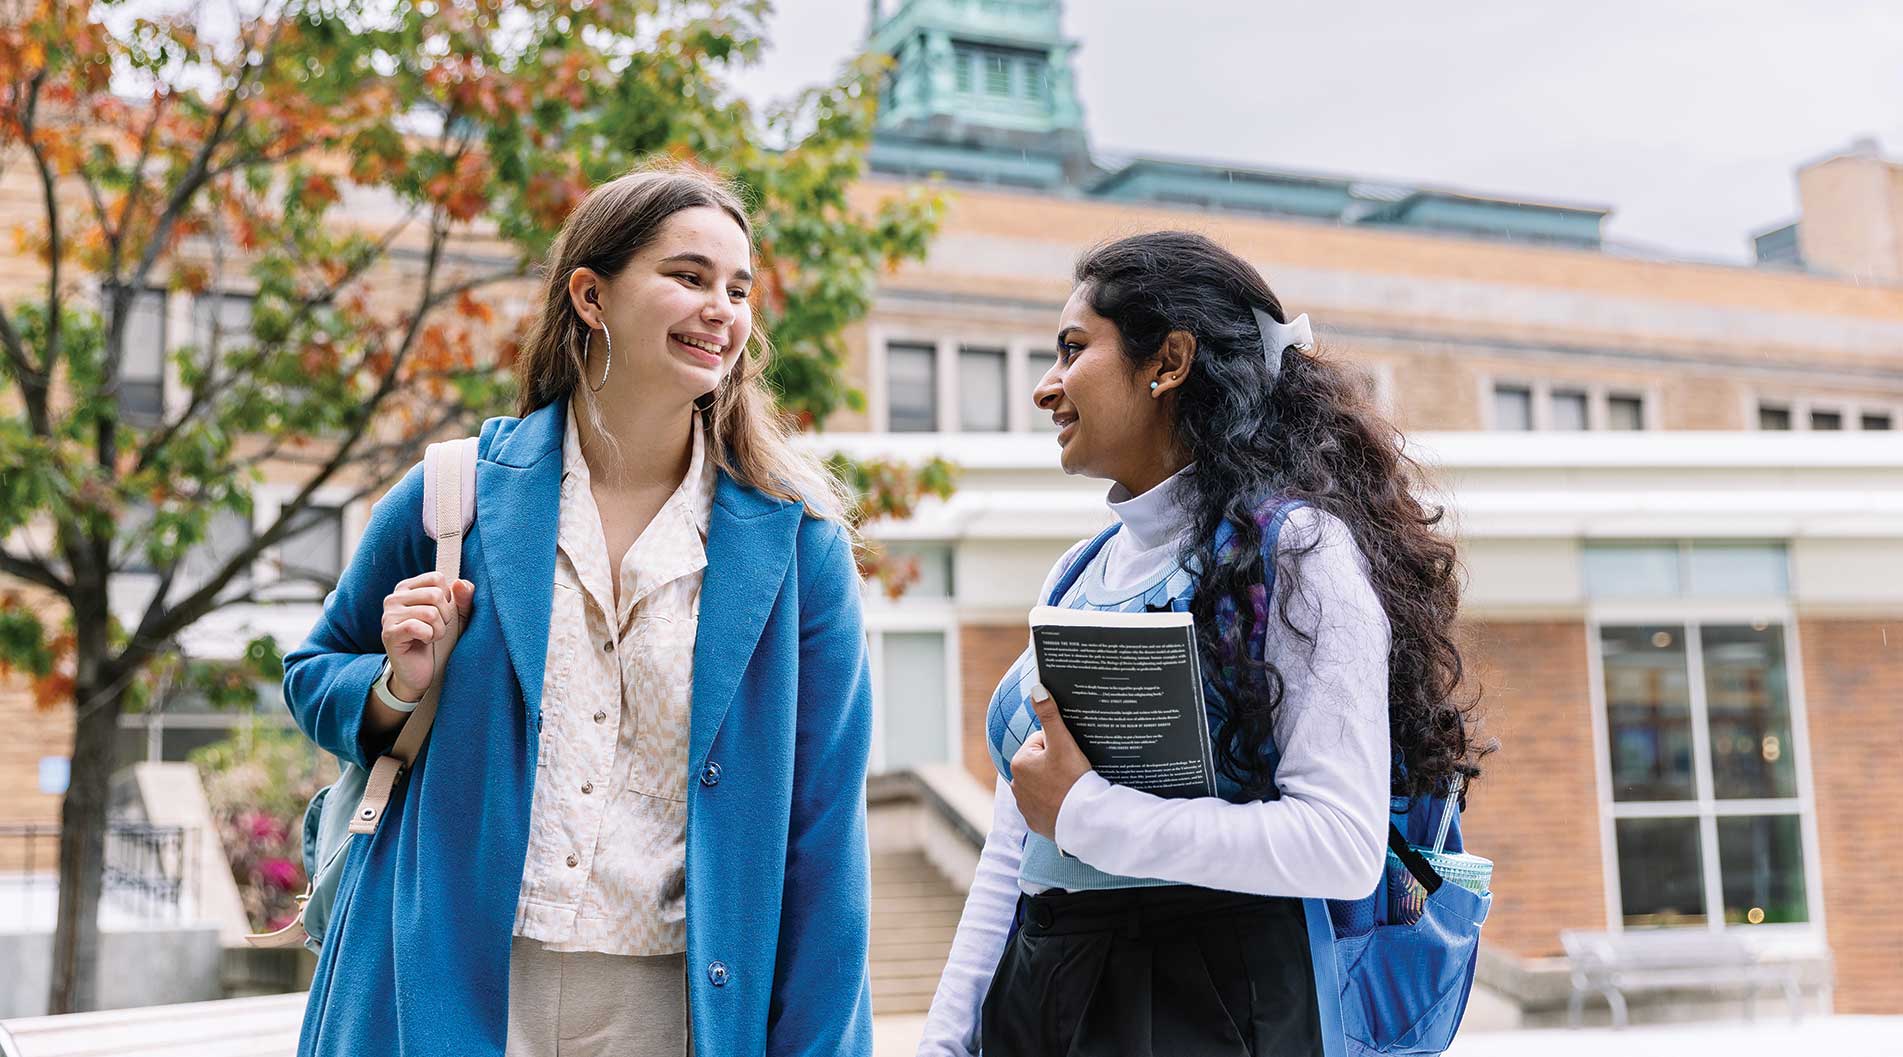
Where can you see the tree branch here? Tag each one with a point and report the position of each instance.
(55, 248)
(34, 571)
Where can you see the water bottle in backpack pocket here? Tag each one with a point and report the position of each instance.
(1407, 951)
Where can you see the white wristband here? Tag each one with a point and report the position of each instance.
(384, 694)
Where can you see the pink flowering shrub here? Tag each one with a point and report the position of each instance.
(259, 781)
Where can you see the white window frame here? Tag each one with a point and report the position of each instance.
(1018, 409)
(940, 617)
(1598, 416)
(1705, 807)
(1801, 405)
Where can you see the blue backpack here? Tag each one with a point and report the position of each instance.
(1403, 984)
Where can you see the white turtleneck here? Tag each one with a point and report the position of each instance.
(1324, 838)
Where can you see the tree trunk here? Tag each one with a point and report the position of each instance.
(82, 852)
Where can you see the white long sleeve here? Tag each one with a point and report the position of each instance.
(951, 1028)
(1325, 837)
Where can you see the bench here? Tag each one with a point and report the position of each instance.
(1612, 963)
(264, 1026)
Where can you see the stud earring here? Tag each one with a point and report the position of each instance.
(1153, 386)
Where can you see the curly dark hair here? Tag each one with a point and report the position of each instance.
(1307, 436)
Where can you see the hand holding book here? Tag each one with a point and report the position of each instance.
(1045, 767)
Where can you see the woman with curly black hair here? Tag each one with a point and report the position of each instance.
(1105, 920)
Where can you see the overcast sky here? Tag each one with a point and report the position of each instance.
(1687, 117)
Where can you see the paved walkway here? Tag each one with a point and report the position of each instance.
(267, 1027)
(1768, 1037)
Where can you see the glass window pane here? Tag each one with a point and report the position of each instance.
(1569, 410)
(1638, 570)
(963, 62)
(934, 567)
(911, 373)
(317, 545)
(1036, 366)
(226, 533)
(1648, 712)
(1749, 709)
(981, 390)
(1625, 412)
(1661, 879)
(1512, 407)
(176, 744)
(145, 338)
(913, 702)
(1876, 420)
(997, 74)
(1773, 417)
(1734, 569)
(224, 316)
(1761, 863)
(1826, 420)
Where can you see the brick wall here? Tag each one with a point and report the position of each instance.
(985, 651)
(1853, 691)
(1535, 810)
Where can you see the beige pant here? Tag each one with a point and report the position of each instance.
(596, 1005)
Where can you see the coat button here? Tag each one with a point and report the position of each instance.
(574, 860)
(717, 974)
(599, 716)
(710, 775)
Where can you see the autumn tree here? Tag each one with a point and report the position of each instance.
(374, 175)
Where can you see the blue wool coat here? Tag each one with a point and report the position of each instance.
(416, 960)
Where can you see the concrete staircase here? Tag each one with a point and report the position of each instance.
(914, 914)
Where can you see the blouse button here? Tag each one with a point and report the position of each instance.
(587, 787)
(608, 647)
(574, 860)
(599, 716)
(717, 974)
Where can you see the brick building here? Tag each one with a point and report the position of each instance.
(1677, 487)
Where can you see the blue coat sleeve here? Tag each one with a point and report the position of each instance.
(327, 678)
(822, 998)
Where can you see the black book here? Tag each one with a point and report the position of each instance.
(1130, 689)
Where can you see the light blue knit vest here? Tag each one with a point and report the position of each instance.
(1010, 719)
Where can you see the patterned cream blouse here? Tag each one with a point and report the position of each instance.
(606, 868)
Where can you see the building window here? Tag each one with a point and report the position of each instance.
(964, 64)
(142, 370)
(1827, 413)
(911, 373)
(934, 567)
(910, 709)
(1625, 412)
(315, 548)
(1036, 366)
(1700, 569)
(1703, 771)
(997, 74)
(223, 319)
(1512, 407)
(1569, 409)
(981, 390)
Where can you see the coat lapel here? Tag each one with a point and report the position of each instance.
(750, 540)
(518, 493)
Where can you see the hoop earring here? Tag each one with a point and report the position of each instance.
(608, 360)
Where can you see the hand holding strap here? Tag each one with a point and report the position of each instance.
(448, 466)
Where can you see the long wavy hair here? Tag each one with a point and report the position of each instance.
(751, 436)
(1307, 436)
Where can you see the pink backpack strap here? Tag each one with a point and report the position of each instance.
(463, 455)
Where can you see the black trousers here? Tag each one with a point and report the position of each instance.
(1172, 971)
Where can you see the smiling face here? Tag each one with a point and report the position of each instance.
(678, 311)
(1111, 424)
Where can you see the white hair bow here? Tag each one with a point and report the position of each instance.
(1277, 337)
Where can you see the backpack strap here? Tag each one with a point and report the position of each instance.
(1081, 562)
(449, 508)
